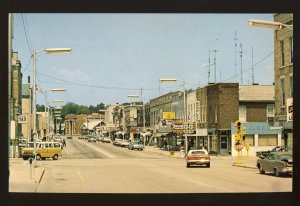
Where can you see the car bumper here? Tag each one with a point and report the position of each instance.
(198, 162)
(288, 170)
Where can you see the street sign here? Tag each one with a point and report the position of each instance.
(22, 119)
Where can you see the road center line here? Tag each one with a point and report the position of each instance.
(101, 151)
(80, 176)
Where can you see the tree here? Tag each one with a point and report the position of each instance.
(40, 108)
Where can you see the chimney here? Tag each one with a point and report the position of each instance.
(28, 79)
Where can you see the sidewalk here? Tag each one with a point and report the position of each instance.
(246, 162)
(20, 179)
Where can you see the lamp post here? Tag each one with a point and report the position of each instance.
(268, 24)
(35, 52)
(47, 109)
(165, 80)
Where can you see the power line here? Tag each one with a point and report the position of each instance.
(27, 41)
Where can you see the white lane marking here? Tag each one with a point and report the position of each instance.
(99, 150)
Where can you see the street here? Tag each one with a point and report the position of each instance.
(87, 167)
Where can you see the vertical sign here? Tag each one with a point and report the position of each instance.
(197, 110)
(289, 109)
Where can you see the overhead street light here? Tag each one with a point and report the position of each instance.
(268, 24)
(165, 80)
(35, 52)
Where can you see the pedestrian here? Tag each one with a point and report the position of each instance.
(64, 143)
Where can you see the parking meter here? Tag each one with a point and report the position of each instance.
(30, 160)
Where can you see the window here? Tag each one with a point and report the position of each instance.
(242, 113)
(282, 52)
(291, 49)
(249, 139)
(291, 85)
(282, 82)
(267, 140)
(270, 110)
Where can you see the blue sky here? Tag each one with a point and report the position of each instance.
(115, 55)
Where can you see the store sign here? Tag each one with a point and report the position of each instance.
(168, 115)
(197, 110)
(22, 119)
(289, 105)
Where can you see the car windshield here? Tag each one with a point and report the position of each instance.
(285, 157)
(198, 152)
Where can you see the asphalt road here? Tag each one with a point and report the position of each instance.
(88, 167)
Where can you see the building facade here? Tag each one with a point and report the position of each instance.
(283, 62)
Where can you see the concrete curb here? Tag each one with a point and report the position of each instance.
(245, 166)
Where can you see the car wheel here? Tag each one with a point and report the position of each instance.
(187, 165)
(277, 173)
(261, 171)
(55, 157)
(25, 158)
(38, 157)
(208, 165)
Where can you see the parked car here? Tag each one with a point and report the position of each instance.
(279, 163)
(22, 143)
(198, 157)
(266, 153)
(124, 143)
(92, 139)
(136, 145)
(106, 139)
(80, 137)
(117, 142)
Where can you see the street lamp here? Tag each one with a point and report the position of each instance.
(268, 24)
(47, 51)
(46, 108)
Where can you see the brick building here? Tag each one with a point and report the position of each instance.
(283, 62)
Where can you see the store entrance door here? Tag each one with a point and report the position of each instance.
(223, 145)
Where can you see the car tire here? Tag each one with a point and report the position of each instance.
(208, 165)
(261, 171)
(55, 157)
(277, 173)
(38, 157)
(188, 165)
(25, 158)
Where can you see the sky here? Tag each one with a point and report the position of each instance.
(115, 55)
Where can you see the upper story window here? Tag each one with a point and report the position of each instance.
(291, 85)
(291, 49)
(282, 52)
(242, 113)
(270, 110)
(282, 82)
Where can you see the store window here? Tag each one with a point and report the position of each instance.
(249, 139)
(267, 140)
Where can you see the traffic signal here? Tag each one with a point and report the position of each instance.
(237, 126)
(237, 137)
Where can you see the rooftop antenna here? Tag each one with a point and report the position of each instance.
(252, 67)
(235, 51)
(208, 67)
(215, 63)
(241, 55)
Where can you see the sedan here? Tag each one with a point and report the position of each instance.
(124, 143)
(279, 163)
(106, 139)
(135, 145)
(198, 157)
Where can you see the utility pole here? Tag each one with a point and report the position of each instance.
(252, 67)
(215, 62)
(235, 51)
